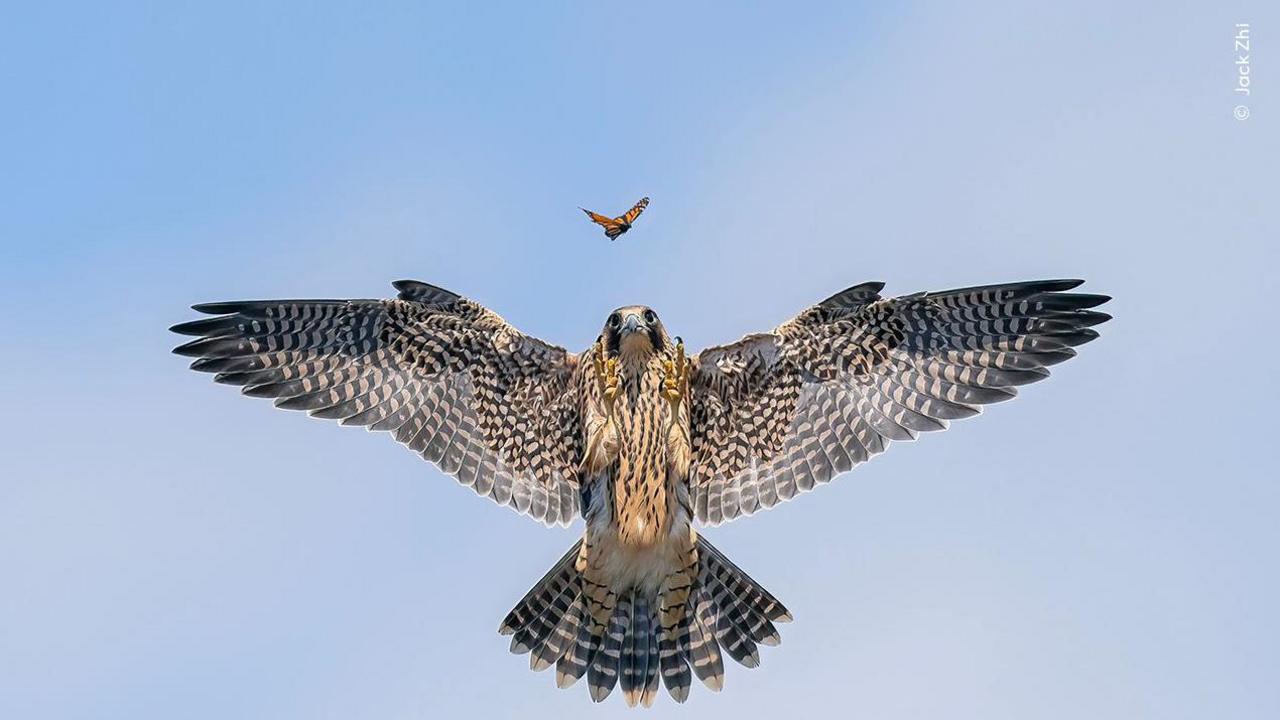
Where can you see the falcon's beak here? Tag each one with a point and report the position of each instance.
(631, 324)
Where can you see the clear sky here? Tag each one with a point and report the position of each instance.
(169, 549)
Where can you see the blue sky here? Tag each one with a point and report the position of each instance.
(170, 549)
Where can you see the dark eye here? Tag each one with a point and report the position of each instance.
(650, 317)
(615, 320)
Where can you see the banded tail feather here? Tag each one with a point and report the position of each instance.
(726, 612)
(535, 618)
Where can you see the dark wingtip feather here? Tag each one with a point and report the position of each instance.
(1031, 288)
(208, 365)
(312, 401)
(854, 296)
(194, 349)
(232, 378)
(1053, 357)
(426, 293)
(1058, 285)
(1014, 290)
(1070, 301)
(207, 327)
(227, 364)
(1083, 318)
(219, 308)
(216, 347)
(1093, 299)
(1075, 338)
(264, 390)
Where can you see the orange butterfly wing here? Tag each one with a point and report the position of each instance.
(635, 211)
(612, 227)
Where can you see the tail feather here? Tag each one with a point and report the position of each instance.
(574, 664)
(673, 652)
(651, 667)
(554, 647)
(742, 621)
(534, 635)
(704, 651)
(733, 641)
(540, 596)
(635, 650)
(727, 613)
(740, 584)
(538, 600)
(605, 662)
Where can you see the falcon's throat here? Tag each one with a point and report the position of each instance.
(635, 343)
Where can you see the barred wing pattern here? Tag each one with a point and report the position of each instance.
(488, 405)
(778, 413)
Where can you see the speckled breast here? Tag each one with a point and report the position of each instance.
(641, 497)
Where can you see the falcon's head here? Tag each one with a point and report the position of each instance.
(634, 330)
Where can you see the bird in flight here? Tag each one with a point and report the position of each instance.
(613, 227)
(647, 444)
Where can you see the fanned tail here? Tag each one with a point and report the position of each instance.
(723, 611)
(744, 612)
(545, 615)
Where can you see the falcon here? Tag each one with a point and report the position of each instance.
(645, 443)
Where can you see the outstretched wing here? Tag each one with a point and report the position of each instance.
(612, 227)
(453, 382)
(775, 414)
(630, 216)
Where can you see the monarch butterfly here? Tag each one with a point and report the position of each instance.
(613, 227)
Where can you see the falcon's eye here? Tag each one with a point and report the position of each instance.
(615, 320)
(650, 317)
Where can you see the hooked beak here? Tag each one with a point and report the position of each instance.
(631, 324)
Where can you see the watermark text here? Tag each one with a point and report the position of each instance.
(1242, 51)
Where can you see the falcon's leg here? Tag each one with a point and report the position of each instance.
(675, 380)
(607, 376)
(602, 433)
(675, 388)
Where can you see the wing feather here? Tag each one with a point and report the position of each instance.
(450, 380)
(776, 414)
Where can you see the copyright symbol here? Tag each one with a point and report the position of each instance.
(1241, 112)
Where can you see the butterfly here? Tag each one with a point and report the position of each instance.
(613, 227)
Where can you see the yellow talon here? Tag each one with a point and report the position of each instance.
(675, 383)
(606, 370)
(611, 383)
(607, 375)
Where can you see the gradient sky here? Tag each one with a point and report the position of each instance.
(1104, 547)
